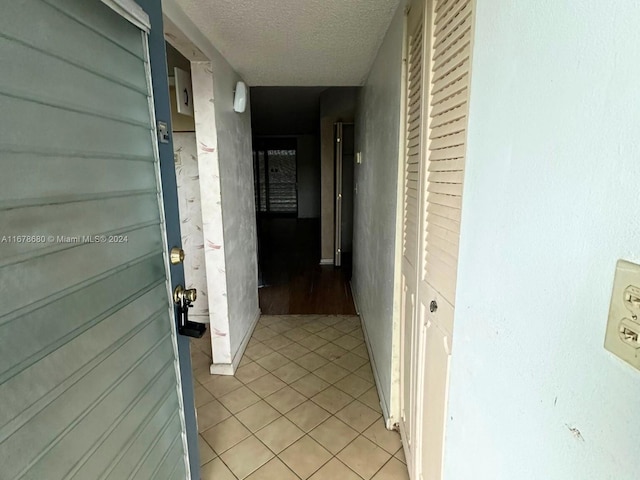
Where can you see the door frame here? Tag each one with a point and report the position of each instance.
(144, 14)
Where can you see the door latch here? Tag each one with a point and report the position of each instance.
(184, 298)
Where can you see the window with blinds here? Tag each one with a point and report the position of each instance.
(448, 107)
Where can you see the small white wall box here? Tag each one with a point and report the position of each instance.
(623, 327)
(184, 92)
(240, 97)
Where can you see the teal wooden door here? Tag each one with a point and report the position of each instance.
(89, 377)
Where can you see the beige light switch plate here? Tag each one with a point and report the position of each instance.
(623, 328)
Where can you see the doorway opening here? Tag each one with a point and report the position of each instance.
(303, 209)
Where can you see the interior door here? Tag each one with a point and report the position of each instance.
(89, 377)
(412, 179)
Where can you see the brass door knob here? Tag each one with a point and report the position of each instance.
(176, 256)
(180, 293)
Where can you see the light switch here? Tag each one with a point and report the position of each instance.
(623, 328)
(358, 158)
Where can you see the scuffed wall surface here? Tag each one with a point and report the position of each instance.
(377, 137)
(188, 179)
(549, 206)
(238, 205)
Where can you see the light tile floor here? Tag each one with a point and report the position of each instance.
(302, 405)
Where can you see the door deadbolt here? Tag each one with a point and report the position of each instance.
(433, 306)
(176, 256)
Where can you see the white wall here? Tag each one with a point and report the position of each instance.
(377, 137)
(234, 154)
(550, 203)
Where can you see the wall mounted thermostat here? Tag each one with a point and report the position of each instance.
(623, 328)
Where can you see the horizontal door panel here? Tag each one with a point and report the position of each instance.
(67, 84)
(80, 45)
(62, 179)
(46, 329)
(97, 259)
(47, 227)
(48, 425)
(34, 386)
(84, 132)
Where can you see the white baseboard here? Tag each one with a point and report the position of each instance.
(230, 368)
(326, 261)
(388, 420)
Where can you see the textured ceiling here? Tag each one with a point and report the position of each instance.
(295, 42)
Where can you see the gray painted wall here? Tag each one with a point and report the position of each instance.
(551, 180)
(377, 137)
(308, 176)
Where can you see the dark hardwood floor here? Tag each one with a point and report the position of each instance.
(293, 281)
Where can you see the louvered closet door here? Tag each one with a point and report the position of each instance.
(89, 387)
(412, 179)
(451, 33)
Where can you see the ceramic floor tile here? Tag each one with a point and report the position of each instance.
(353, 385)
(211, 414)
(246, 457)
(305, 457)
(335, 470)
(290, 372)
(400, 456)
(388, 440)
(199, 359)
(239, 399)
(308, 415)
(202, 395)
(265, 386)
(314, 327)
(361, 351)
(220, 385)
(225, 435)
(331, 372)
(216, 470)
(358, 416)
(363, 457)
(297, 334)
(257, 351)
(392, 470)
(330, 320)
(202, 374)
(293, 351)
(273, 470)
(331, 351)
(345, 326)
(357, 334)
(365, 373)
(280, 434)
(206, 452)
(285, 399)
(333, 434)
(310, 385)
(313, 342)
(279, 342)
(332, 399)
(273, 361)
(250, 372)
(258, 415)
(245, 361)
(350, 361)
(347, 342)
(311, 361)
(329, 333)
(371, 399)
(264, 334)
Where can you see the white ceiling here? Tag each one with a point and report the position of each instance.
(295, 42)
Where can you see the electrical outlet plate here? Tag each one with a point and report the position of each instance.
(623, 328)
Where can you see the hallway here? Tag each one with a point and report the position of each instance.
(303, 405)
